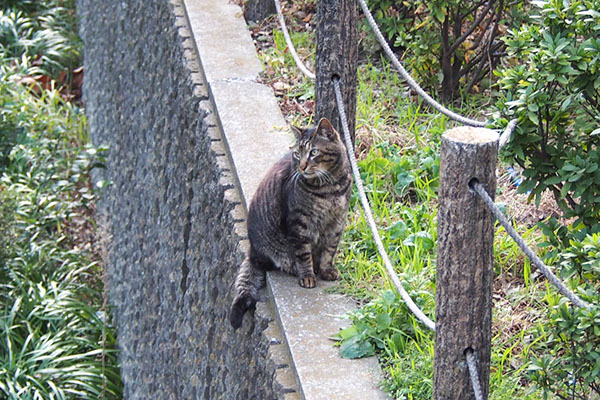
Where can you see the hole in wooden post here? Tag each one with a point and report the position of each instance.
(335, 77)
(472, 184)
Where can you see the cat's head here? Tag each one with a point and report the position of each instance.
(318, 151)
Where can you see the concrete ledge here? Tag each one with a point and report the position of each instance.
(255, 136)
(222, 39)
(309, 318)
(254, 129)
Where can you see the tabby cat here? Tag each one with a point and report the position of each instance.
(297, 216)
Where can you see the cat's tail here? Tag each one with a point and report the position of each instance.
(247, 283)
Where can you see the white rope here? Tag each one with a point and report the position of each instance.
(543, 268)
(472, 364)
(290, 45)
(411, 82)
(369, 215)
(507, 134)
(503, 138)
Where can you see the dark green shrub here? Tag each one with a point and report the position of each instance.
(568, 366)
(554, 91)
(445, 44)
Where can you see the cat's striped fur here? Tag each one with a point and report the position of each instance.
(297, 216)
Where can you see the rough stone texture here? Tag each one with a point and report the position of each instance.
(171, 215)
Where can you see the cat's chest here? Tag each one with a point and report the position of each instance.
(325, 211)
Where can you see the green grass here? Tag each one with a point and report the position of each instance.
(56, 341)
(39, 37)
(405, 212)
(401, 172)
(56, 338)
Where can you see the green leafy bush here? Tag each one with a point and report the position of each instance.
(554, 91)
(568, 366)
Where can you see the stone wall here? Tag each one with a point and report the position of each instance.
(173, 213)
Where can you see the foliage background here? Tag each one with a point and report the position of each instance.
(56, 339)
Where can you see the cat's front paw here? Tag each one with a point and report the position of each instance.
(309, 281)
(331, 274)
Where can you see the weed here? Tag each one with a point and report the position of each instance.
(39, 37)
(400, 171)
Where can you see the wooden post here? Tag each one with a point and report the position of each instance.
(337, 55)
(465, 264)
(257, 10)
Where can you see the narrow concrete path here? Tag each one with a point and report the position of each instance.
(256, 135)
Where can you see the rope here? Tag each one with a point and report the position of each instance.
(409, 80)
(504, 138)
(290, 45)
(472, 364)
(369, 215)
(507, 134)
(543, 268)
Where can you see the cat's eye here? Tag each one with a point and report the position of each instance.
(314, 152)
(296, 154)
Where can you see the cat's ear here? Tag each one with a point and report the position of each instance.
(297, 132)
(325, 129)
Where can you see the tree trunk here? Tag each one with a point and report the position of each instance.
(465, 265)
(337, 56)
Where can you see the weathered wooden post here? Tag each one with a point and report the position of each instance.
(337, 55)
(465, 264)
(257, 10)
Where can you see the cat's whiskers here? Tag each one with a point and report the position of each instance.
(331, 178)
(317, 176)
(325, 176)
(295, 178)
